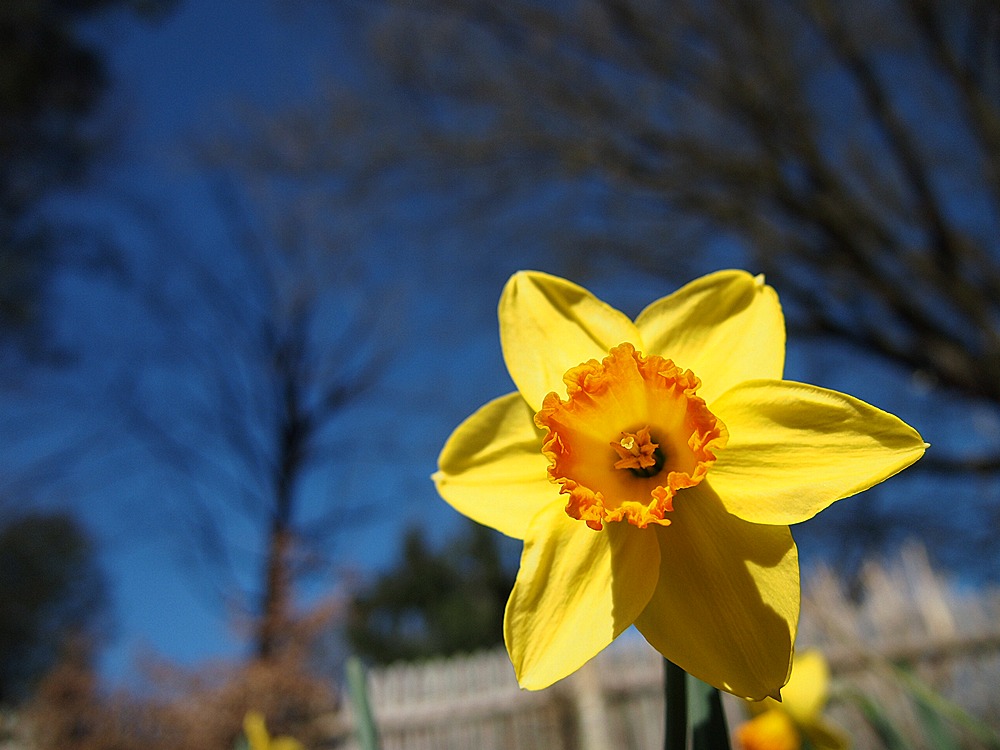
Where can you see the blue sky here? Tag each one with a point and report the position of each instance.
(175, 80)
(172, 80)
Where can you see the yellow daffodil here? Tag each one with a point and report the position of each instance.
(652, 468)
(784, 726)
(258, 738)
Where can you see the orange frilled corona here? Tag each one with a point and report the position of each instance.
(631, 433)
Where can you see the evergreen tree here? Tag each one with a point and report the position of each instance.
(436, 602)
(52, 82)
(54, 598)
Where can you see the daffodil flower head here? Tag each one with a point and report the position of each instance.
(783, 726)
(771, 730)
(652, 468)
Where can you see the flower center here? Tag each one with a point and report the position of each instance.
(639, 454)
(662, 437)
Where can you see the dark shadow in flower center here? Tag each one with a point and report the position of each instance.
(644, 472)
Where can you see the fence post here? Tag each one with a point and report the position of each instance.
(590, 708)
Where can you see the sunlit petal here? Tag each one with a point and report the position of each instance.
(492, 468)
(576, 591)
(726, 327)
(794, 449)
(726, 605)
(548, 325)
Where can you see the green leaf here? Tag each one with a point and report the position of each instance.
(934, 728)
(884, 728)
(934, 710)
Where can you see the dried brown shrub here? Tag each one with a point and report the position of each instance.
(194, 710)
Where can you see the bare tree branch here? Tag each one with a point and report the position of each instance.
(255, 380)
(791, 124)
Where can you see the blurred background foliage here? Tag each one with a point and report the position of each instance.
(846, 150)
(53, 82)
(255, 380)
(55, 599)
(436, 602)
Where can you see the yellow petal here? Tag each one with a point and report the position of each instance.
(770, 730)
(255, 731)
(286, 743)
(492, 469)
(725, 327)
(794, 449)
(806, 693)
(726, 605)
(576, 591)
(548, 325)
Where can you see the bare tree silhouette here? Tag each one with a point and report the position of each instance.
(849, 150)
(260, 350)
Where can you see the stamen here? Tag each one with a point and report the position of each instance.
(639, 454)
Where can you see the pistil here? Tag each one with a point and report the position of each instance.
(639, 454)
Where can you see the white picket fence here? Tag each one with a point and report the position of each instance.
(473, 702)
(907, 615)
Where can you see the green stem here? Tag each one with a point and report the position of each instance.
(357, 685)
(706, 717)
(675, 695)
